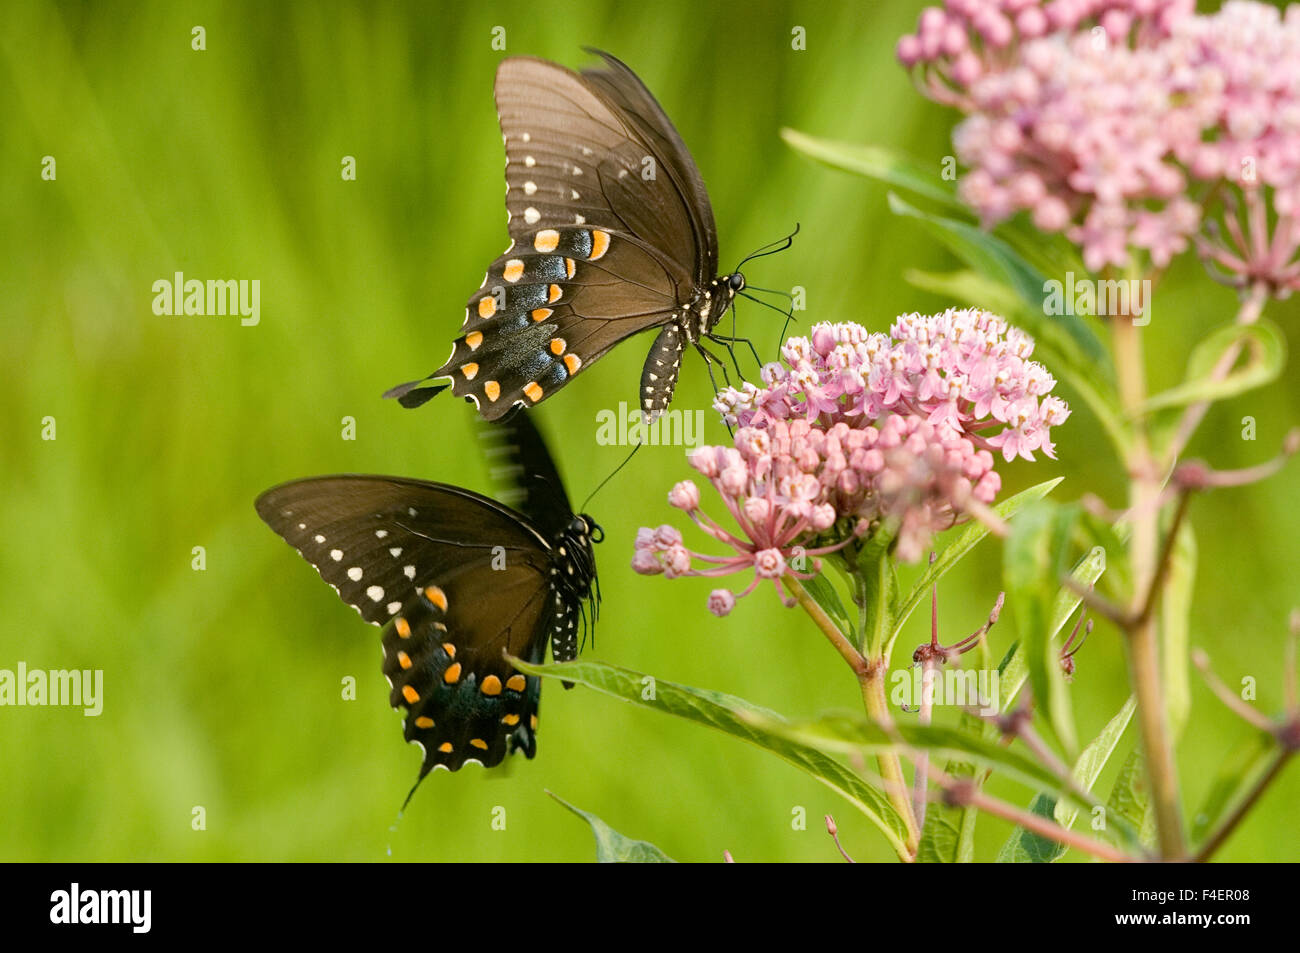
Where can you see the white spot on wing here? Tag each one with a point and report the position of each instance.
(355, 573)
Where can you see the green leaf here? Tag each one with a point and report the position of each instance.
(613, 847)
(876, 163)
(1238, 771)
(733, 716)
(966, 540)
(948, 835)
(825, 594)
(1265, 357)
(848, 733)
(877, 590)
(1174, 618)
(1027, 847)
(989, 256)
(1014, 668)
(1034, 561)
(1130, 800)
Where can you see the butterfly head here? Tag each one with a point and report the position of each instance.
(577, 560)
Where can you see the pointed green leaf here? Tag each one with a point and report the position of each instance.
(1239, 770)
(1025, 846)
(734, 716)
(613, 847)
(876, 163)
(847, 733)
(948, 835)
(1034, 562)
(1131, 800)
(825, 594)
(1265, 349)
(877, 591)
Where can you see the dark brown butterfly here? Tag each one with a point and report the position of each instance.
(611, 234)
(458, 581)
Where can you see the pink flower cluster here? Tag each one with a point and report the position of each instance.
(1122, 124)
(964, 370)
(857, 430)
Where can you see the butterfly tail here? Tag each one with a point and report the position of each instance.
(411, 394)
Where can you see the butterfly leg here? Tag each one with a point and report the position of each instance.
(730, 344)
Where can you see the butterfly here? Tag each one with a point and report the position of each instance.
(611, 234)
(457, 580)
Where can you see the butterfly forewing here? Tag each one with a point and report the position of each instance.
(379, 540)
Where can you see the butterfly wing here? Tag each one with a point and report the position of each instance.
(619, 85)
(456, 578)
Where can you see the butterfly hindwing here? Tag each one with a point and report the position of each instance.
(461, 698)
(547, 309)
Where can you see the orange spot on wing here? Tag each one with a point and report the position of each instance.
(452, 675)
(492, 389)
(516, 683)
(511, 720)
(557, 345)
(403, 627)
(410, 694)
(533, 391)
(541, 314)
(424, 721)
(553, 294)
(514, 270)
(435, 595)
(403, 660)
(469, 370)
(570, 267)
(487, 306)
(491, 686)
(445, 747)
(449, 649)
(474, 339)
(479, 743)
(599, 244)
(547, 240)
(572, 362)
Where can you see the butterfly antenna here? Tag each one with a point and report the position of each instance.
(625, 462)
(771, 248)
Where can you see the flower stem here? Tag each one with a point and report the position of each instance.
(871, 680)
(1142, 633)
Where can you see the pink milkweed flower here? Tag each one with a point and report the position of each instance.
(855, 429)
(1137, 128)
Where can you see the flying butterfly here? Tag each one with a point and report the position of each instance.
(611, 234)
(457, 580)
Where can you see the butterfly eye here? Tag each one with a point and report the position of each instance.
(736, 282)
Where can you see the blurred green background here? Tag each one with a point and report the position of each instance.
(223, 686)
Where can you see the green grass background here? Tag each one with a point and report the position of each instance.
(223, 686)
